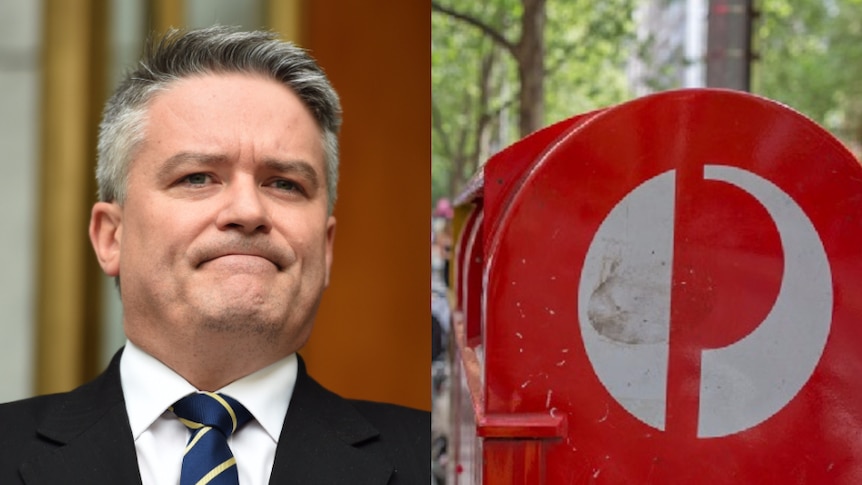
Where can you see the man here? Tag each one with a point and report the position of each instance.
(217, 170)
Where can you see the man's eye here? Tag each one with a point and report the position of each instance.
(287, 185)
(197, 179)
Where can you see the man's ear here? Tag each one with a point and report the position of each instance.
(105, 234)
(330, 241)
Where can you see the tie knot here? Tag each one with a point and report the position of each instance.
(218, 411)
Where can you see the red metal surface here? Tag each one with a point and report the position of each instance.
(514, 461)
(470, 276)
(517, 161)
(523, 426)
(679, 278)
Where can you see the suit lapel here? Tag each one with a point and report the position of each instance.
(322, 440)
(90, 427)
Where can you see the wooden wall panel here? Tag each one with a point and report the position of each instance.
(372, 336)
(72, 91)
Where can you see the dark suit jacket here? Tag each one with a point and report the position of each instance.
(83, 437)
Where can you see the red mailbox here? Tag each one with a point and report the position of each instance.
(667, 291)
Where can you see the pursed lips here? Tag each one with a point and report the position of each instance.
(240, 256)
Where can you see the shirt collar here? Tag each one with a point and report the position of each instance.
(150, 387)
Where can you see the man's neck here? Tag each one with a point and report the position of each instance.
(216, 364)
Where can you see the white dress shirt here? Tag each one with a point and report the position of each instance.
(150, 387)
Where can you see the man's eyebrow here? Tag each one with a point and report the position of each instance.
(169, 166)
(303, 168)
(300, 167)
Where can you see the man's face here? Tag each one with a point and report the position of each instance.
(224, 231)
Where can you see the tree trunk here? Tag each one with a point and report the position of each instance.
(531, 67)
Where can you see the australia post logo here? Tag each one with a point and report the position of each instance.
(624, 306)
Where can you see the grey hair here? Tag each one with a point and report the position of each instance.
(213, 50)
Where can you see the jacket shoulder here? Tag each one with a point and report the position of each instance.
(20, 439)
(20, 418)
(36, 427)
(399, 420)
(405, 436)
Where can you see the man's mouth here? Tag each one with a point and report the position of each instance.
(241, 262)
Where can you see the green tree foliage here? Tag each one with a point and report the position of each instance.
(476, 83)
(810, 57)
(589, 44)
(463, 60)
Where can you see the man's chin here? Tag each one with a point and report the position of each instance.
(249, 290)
(238, 321)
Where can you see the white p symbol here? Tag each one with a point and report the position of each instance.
(624, 311)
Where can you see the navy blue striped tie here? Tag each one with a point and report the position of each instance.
(212, 418)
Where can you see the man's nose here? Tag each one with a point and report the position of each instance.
(244, 209)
